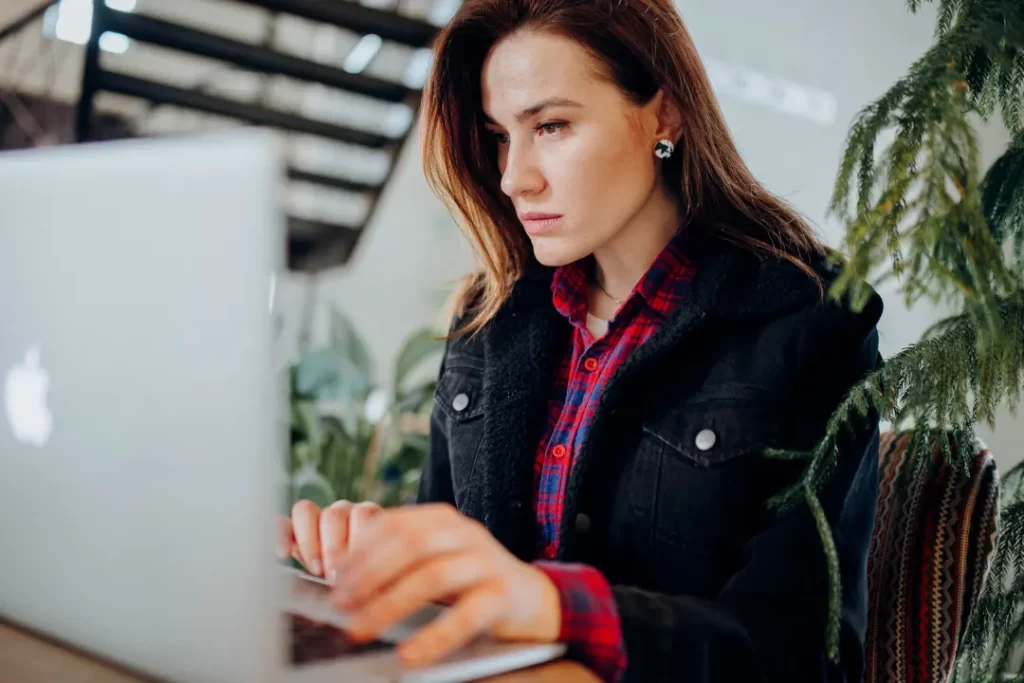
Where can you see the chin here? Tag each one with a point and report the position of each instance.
(554, 252)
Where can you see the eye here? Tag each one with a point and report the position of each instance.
(497, 136)
(550, 127)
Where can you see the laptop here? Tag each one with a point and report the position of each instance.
(142, 421)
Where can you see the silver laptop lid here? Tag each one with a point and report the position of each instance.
(140, 435)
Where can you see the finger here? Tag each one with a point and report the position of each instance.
(442, 576)
(334, 533)
(398, 526)
(402, 539)
(470, 617)
(285, 537)
(362, 518)
(306, 527)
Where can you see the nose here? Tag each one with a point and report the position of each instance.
(521, 174)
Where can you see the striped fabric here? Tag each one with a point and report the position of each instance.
(934, 538)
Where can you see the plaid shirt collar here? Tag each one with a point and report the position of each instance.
(659, 289)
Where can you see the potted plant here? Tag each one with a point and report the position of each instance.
(351, 437)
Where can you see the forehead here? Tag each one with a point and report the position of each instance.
(529, 66)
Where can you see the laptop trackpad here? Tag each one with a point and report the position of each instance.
(308, 597)
(316, 637)
(313, 641)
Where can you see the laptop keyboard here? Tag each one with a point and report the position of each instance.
(312, 641)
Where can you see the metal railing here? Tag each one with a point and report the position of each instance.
(312, 244)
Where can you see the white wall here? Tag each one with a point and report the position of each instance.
(398, 278)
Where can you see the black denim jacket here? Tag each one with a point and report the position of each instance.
(709, 584)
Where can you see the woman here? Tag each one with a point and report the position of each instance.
(647, 320)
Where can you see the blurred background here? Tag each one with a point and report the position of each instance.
(372, 254)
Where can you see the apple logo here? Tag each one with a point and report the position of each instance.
(25, 402)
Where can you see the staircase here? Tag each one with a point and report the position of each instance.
(313, 243)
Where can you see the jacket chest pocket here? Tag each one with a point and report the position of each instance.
(458, 399)
(710, 477)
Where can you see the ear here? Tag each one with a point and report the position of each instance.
(667, 118)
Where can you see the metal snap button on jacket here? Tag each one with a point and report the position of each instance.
(706, 440)
(460, 402)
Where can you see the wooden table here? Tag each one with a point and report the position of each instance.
(25, 658)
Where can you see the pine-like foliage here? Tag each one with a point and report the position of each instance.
(919, 210)
(996, 632)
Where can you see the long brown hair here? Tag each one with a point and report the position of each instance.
(644, 47)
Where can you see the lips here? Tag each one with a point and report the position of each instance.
(537, 223)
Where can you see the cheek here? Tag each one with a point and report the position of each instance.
(599, 186)
(608, 181)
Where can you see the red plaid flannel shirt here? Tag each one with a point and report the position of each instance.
(590, 619)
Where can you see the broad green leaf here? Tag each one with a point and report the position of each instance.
(303, 414)
(309, 484)
(332, 425)
(330, 374)
(415, 399)
(420, 346)
(300, 455)
(339, 461)
(345, 336)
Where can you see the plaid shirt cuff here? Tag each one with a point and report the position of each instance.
(590, 618)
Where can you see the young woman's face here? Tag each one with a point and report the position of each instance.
(576, 156)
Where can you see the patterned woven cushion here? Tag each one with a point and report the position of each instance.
(933, 541)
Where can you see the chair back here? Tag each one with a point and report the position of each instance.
(933, 541)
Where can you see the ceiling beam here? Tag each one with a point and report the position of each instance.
(250, 57)
(356, 17)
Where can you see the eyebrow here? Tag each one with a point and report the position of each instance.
(538, 108)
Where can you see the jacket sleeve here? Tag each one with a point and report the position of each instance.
(591, 627)
(768, 622)
(436, 476)
(435, 484)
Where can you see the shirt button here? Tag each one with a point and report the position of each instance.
(590, 364)
(551, 552)
(706, 440)
(582, 523)
(559, 451)
(460, 402)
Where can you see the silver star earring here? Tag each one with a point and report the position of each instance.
(664, 149)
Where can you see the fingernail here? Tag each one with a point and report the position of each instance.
(315, 567)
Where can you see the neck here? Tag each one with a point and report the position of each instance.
(622, 261)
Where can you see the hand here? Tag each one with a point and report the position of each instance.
(316, 537)
(431, 553)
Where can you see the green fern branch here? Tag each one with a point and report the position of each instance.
(921, 205)
(942, 385)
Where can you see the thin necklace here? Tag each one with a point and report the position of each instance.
(618, 302)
